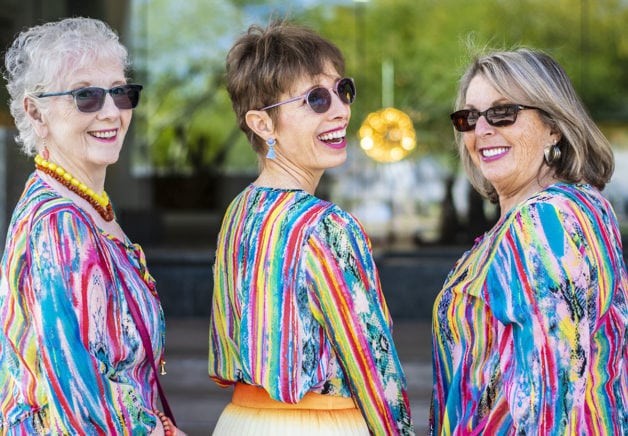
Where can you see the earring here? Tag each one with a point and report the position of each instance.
(44, 151)
(271, 148)
(552, 154)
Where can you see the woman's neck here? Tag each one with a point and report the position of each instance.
(276, 175)
(508, 201)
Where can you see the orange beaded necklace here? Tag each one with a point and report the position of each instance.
(100, 202)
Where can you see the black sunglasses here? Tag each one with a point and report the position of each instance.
(499, 116)
(319, 98)
(92, 99)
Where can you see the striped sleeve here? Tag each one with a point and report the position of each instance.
(561, 267)
(347, 300)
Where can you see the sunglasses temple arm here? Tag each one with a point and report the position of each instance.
(53, 94)
(282, 102)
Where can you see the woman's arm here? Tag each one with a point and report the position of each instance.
(541, 288)
(347, 300)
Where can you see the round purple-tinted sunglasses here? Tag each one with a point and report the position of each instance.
(319, 98)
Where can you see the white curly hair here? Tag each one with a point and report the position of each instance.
(42, 54)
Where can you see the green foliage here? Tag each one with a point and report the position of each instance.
(186, 114)
(431, 42)
(189, 119)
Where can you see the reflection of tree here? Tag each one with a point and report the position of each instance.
(449, 227)
(204, 148)
(186, 114)
(199, 150)
(477, 221)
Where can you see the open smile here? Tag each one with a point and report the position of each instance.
(335, 139)
(104, 134)
(493, 153)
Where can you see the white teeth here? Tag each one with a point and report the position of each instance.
(104, 135)
(490, 152)
(339, 134)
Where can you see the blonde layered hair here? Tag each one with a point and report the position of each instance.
(534, 78)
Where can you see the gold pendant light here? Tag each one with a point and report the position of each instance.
(387, 135)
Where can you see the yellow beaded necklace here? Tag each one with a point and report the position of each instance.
(100, 202)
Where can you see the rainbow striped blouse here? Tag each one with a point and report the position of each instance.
(71, 358)
(298, 307)
(530, 332)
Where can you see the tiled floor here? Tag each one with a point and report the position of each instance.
(197, 402)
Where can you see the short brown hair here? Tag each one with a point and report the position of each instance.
(265, 62)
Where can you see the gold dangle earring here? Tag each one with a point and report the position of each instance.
(552, 154)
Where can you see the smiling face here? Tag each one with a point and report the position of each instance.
(509, 157)
(307, 143)
(86, 143)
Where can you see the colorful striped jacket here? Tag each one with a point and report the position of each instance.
(298, 307)
(71, 358)
(531, 327)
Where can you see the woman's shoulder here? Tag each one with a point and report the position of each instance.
(569, 198)
(40, 202)
(299, 206)
(570, 192)
(284, 202)
(564, 205)
(338, 214)
(339, 223)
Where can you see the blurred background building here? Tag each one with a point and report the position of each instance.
(185, 159)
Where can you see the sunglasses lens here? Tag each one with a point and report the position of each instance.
(502, 115)
(499, 116)
(319, 100)
(126, 96)
(346, 90)
(464, 120)
(89, 99)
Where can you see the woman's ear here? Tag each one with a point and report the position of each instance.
(555, 133)
(260, 123)
(36, 117)
(556, 136)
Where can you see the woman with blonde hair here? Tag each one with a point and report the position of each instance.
(530, 330)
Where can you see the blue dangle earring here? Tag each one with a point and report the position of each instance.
(271, 148)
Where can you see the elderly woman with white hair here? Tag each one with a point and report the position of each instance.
(81, 325)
